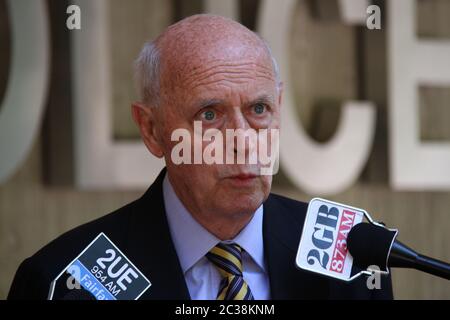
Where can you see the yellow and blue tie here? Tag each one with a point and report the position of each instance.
(228, 260)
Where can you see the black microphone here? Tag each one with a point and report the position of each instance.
(374, 245)
(79, 294)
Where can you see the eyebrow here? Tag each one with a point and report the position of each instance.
(266, 99)
(208, 103)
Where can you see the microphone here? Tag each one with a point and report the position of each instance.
(78, 294)
(336, 243)
(100, 272)
(375, 245)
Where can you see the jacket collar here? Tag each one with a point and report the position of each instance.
(153, 248)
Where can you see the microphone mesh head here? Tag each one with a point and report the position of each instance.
(369, 245)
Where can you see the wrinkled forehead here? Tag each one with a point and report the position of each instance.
(190, 69)
(195, 51)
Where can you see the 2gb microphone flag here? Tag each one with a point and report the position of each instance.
(103, 271)
(323, 244)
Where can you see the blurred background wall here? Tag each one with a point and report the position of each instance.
(332, 62)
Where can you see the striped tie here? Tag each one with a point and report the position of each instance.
(227, 259)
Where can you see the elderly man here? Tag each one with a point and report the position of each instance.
(203, 230)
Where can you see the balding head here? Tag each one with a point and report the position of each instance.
(192, 43)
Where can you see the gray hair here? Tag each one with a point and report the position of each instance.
(147, 72)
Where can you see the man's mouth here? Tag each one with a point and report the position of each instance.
(244, 176)
(242, 179)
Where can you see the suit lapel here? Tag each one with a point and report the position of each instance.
(282, 227)
(152, 248)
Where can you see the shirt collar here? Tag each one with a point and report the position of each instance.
(192, 241)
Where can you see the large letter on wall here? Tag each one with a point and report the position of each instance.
(23, 105)
(414, 165)
(316, 168)
(102, 163)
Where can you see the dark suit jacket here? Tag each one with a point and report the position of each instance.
(141, 231)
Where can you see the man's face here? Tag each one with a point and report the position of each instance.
(236, 94)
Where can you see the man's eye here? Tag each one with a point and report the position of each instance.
(209, 115)
(259, 108)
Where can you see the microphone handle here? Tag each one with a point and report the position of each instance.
(433, 266)
(402, 256)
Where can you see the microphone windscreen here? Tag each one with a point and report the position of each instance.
(78, 294)
(369, 245)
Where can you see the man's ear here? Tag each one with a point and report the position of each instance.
(145, 119)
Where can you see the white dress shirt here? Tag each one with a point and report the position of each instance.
(192, 241)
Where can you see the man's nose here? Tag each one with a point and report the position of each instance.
(242, 133)
(238, 120)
